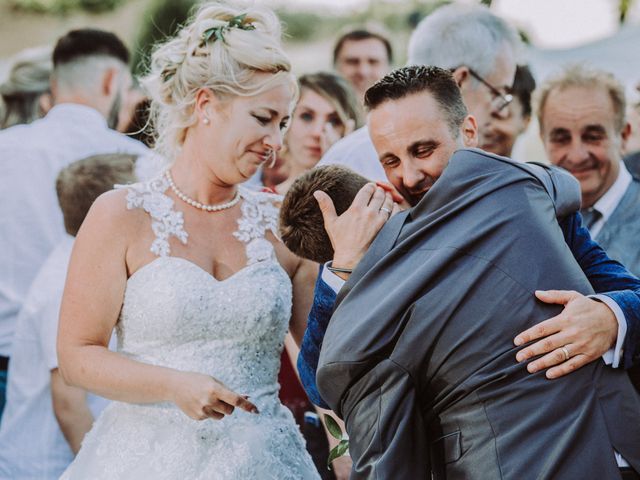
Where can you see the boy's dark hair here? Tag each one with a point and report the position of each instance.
(523, 86)
(88, 42)
(80, 183)
(415, 79)
(301, 224)
(362, 34)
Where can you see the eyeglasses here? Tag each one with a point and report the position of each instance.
(500, 100)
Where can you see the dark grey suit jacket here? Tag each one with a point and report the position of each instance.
(418, 357)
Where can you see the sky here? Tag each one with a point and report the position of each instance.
(550, 23)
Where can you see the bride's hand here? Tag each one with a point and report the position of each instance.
(201, 396)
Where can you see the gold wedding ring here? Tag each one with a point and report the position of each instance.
(565, 350)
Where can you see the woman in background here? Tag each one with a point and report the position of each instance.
(327, 111)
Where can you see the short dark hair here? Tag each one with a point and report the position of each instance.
(523, 86)
(301, 223)
(81, 182)
(415, 79)
(358, 35)
(88, 42)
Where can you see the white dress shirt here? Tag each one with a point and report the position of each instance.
(30, 219)
(356, 152)
(31, 442)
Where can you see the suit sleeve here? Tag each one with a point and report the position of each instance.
(383, 408)
(324, 299)
(609, 278)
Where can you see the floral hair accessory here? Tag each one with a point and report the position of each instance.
(217, 33)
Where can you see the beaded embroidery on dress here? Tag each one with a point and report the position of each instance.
(177, 315)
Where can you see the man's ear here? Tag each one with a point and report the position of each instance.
(109, 82)
(460, 75)
(469, 130)
(624, 135)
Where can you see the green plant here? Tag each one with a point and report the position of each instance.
(336, 432)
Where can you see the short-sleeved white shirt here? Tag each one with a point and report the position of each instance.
(31, 442)
(31, 156)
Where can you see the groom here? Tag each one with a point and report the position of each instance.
(419, 361)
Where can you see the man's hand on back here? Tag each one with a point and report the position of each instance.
(581, 333)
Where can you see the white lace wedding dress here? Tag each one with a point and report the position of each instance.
(177, 315)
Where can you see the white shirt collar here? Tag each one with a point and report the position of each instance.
(74, 112)
(608, 202)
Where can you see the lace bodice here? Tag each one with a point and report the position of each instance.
(176, 314)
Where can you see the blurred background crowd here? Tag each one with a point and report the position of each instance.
(338, 50)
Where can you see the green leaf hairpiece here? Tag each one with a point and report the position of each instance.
(217, 33)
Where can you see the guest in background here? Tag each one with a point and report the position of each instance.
(582, 123)
(90, 77)
(362, 57)
(327, 111)
(45, 419)
(26, 94)
(501, 134)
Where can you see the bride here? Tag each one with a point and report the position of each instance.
(188, 270)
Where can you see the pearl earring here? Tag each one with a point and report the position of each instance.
(205, 121)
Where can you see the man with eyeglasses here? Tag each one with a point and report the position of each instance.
(480, 50)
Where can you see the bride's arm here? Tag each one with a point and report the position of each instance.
(91, 303)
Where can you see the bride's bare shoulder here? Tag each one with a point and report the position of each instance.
(111, 214)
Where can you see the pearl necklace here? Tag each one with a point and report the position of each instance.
(201, 206)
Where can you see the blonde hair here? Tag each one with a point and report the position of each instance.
(227, 66)
(586, 77)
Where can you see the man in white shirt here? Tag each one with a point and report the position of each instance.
(89, 80)
(583, 128)
(45, 420)
(582, 123)
(362, 57)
